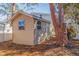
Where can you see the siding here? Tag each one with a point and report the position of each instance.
(25, 36)
(5, 37)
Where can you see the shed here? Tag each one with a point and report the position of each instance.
(29, 29)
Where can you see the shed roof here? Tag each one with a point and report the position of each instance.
(24, 13)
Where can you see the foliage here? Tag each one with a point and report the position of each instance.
(7, 8)
(71, 9)
(71, 12)
(72, 31)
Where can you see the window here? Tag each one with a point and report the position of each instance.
(38, 25)
(21, 24)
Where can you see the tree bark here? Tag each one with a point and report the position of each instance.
(13, 8)
(61, 38)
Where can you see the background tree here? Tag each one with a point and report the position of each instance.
(8, 9)
(71, 12)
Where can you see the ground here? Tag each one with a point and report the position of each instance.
(45, 49)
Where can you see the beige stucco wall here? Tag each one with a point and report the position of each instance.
(25, 36)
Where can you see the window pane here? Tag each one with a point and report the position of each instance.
(21, 24)
(38, 25)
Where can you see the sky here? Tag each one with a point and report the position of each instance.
(43, 8)
(40, 8)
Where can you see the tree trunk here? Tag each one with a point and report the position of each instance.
(61, 38)
(13, 8)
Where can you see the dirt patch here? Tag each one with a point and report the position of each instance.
(45, 49)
